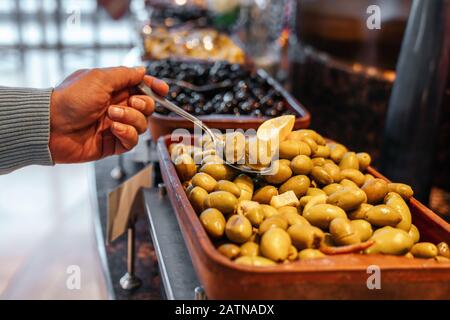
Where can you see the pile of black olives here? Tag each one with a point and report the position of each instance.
(172, 16)
(247, 94)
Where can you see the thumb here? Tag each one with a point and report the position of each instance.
(122, 78)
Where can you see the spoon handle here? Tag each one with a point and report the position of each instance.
(174, 108)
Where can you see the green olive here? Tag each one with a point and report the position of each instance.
(254, 261)
(205, 138)
(307, 254)
(349, 183)
(234, 146)
(311, 143)
(424, 250)
(245, 195)
(280, 173)
(343, 232)
(298, 184)
(315, 192)
(414, 233)
(321, 215)
(229, 250)
(238, 229)
(315, 200)
(443, 249)
(322, 151)
(408, 255)
(402, 189)
(275, 244)
(265, 194)
(252, 211)
(368, 177)
(185, 166)
(321, 176)
(362, 228)
(349, 161)
(225, 185)
(305, 236)
(218, 171)
(285, 162)
(244, 182)
(276, 221)
(333, 170)
(441, 259)
(223, 201)
(197, 198)
(249, 249)
(376, 190)
(292, 216)
(268, 211)
(177, 149)
(354, 175)
(293, 253)
(204, 181)
(214, 222)
(360, 212)
(318, 162)
(383, 215)
(337, 151)
(301, 164)
(212, 158)
(388, 240)
(200, 155)
(364, 160)
(304, 201)
(395, 201)
(289, 149)
(307, 133)
(331, 188)
(347, 198)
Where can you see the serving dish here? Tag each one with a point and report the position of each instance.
(334, 277)
(161, 125)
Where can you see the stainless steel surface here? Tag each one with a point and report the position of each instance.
(414, 110)
(175, 266)
(220, 145)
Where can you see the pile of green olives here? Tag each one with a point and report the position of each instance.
(319, 201)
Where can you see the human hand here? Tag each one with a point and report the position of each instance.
(95, 113)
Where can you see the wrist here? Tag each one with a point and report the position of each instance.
(54, 106)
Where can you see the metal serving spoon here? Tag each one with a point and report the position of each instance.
(203, 88)
(196, 121)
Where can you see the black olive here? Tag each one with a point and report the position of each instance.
(235, 67)
(208, 107)
(279, 106)
(227, 97)
(188, 108)
(241, 95)
(256, 113)
(271, 112)
(245, 106)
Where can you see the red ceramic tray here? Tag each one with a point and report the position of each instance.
(161, 125)
(333, 277)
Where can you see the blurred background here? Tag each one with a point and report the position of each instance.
(321, 51)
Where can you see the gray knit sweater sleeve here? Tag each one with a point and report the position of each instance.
(24, 128)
